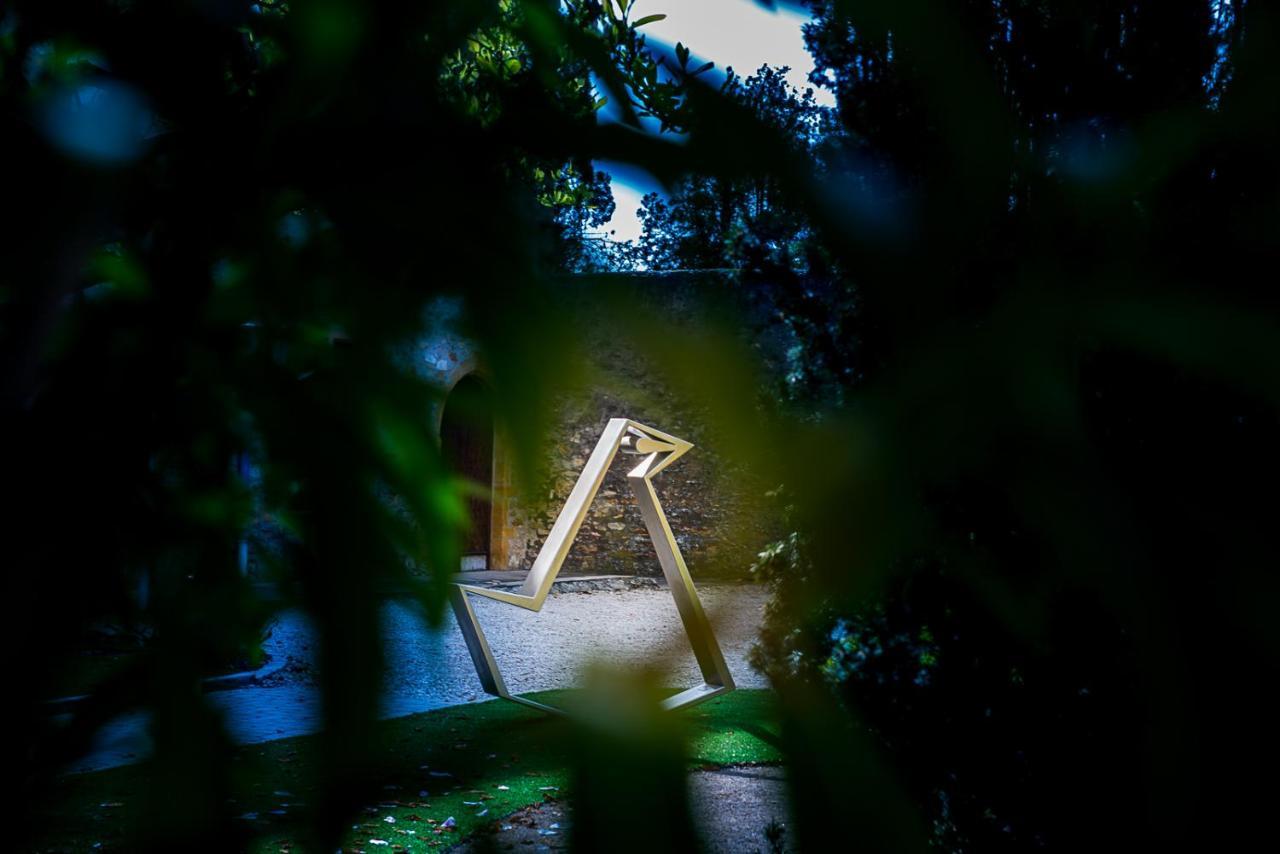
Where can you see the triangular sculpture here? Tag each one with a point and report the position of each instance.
(659, 451)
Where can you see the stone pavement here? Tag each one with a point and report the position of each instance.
(429, 669)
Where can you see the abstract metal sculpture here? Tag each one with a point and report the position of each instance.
(659, 450)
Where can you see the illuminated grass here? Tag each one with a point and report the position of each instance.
(459, 756)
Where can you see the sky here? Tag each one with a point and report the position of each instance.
(738, 34)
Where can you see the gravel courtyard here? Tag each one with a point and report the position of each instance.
(549, 649)
(429, 669)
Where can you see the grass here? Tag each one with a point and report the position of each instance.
(475, 763)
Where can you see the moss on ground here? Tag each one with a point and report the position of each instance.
(473, 763)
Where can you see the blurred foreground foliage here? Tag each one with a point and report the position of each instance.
(222, 224)
(475, 764)
(1028, 432)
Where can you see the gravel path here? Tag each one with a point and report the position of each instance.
(741, 809)
(427, 670)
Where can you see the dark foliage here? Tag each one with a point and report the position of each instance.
(1050, 321)
(744, 222)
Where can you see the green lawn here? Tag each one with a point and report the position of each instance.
(476, 763)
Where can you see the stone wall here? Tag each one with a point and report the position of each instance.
(714, 516)
(715, 512)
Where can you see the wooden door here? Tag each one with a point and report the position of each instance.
(466, 441)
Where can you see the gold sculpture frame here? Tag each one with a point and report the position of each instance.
(659, 450)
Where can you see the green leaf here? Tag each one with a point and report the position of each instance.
(122, 272)
(648, 19)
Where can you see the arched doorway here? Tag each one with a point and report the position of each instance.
(466, 442)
